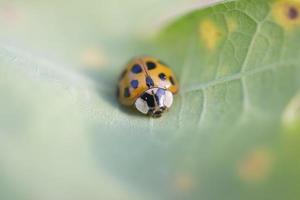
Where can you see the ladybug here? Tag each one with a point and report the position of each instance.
(149, 84)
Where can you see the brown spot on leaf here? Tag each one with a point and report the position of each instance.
(209, 33)
(183, 182)
(286, 13)
(292, 13)
(256, 165)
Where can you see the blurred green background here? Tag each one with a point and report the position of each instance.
(232, 133)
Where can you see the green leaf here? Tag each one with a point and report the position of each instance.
(232, 132)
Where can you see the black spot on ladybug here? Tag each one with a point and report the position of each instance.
(293, 13)
(172, 80)
(136, 69)
(126, 92)
(149, 81)
(150, 65)
(134, 83)
(123, 74)
(162, 76)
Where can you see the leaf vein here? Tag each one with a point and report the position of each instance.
(237, 76)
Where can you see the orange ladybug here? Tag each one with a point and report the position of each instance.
(148, 84)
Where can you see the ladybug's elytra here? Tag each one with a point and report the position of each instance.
(148, 84)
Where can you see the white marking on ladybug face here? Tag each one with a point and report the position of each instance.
(164, 84)
(141, 105)
(154, 101)
(168, 99)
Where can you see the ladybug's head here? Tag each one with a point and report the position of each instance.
(154, 101)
